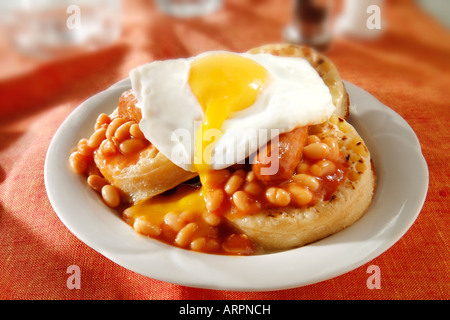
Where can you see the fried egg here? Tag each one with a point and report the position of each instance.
(216, 109)
(211, 111)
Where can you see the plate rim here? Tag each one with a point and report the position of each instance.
(119, 258)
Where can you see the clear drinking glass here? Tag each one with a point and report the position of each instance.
(45, 28)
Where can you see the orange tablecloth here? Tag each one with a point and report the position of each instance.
(408, 69)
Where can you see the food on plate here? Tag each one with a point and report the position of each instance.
(232, 153)
(139, 170)
(331, 188)
(324, 67)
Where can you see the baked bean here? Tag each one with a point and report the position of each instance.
(307, 180)
(108, 148)
(146, 227)
(136, 132)
(78, 162)
(251, 176)
(131, 146)
(302, 167)
(334, 148)
(112, 127)
(123, 132)
(253, 188)
(185, 235)
(312, 139)
(102, 121)
(212, 245)
(316, 150)
(278, 197)
(238, 244)
(214, 199)
(234, 183)
(244, 203)
(96, 138)
(299, 195)
(110, 195)
(84, 149)
(116, 142)
(198, 244)
(167, 233)
(96, 182)
(241, 172)
(171, 219)
(186, 216)
(212, 219)
(323, 168)
(216, 178)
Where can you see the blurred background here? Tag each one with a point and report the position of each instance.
(55, 54)
(440, 9)
(59, 40)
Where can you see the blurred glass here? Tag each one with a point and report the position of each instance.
(45, 28)
(311, 23)
(316, 22)
(188, 8)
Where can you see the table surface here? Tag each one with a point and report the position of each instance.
(407, 68)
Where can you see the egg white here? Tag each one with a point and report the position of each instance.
(171, 115)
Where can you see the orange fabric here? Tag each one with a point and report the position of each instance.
(407, 69)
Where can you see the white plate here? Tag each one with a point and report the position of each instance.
(402, 187)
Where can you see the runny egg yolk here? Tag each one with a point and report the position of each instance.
(223, 84)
